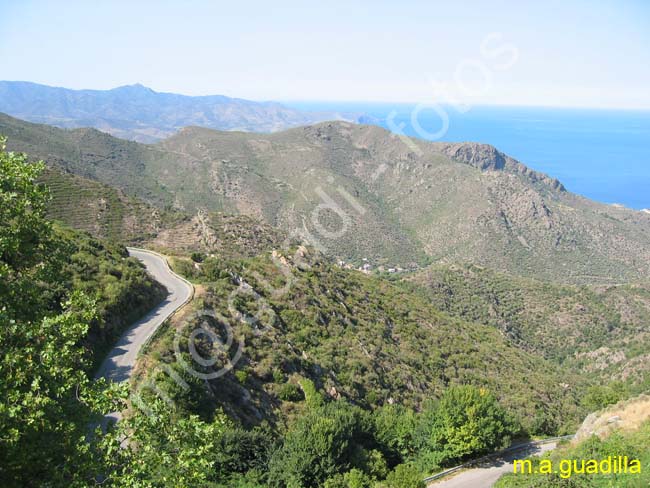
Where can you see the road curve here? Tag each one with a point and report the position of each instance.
(486, 474)
(118, 364)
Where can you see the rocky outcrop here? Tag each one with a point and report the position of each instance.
(627, 415)
(487, 158)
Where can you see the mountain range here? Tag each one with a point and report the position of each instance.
(141, 114)
(365, 197)
(482, 277)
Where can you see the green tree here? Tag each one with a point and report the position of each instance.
(464, 422)
(26, 242)
(355, 478)
(46, 400)
(394, 430)
(320, 445)
(163, 449)
(599, 396)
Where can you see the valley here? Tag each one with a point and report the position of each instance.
(324, 245)
(351, 294)
(450, 204)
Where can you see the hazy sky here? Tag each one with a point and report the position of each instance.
(565, 53)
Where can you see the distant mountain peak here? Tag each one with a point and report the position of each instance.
(135, 88)
(139, 113)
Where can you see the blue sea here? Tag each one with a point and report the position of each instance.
(601, 154)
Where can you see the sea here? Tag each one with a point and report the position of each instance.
(602, 154)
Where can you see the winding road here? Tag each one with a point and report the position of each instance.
(119, 363)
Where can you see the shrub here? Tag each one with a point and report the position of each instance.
(242, 376)
(312, 396)
(319, 446)
(278, 376)
(197, 257)
(404, 476)
(290, 392)
(213, 269)
(184, 267)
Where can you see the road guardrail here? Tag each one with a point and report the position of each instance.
(515, 447)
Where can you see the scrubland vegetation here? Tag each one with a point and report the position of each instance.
(345, 380)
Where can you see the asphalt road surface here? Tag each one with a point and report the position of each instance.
(487, 473)
(119, 363)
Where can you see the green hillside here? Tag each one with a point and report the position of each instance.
(364, 339)
(89, 153)
(344, 377)
(103, 211)
(122, 289)
(469, 209)
(358, 193)
(600, 330)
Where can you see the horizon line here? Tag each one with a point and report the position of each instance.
(358, 101)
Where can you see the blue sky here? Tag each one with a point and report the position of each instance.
(554, 53)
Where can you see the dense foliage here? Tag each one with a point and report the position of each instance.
(61, 296)
(43, 409)
(464, 422)
(345, 381)
(598, 330)
(338, 375)
(329, 443)
(364, 339)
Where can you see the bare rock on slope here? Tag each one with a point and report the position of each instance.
(486, 157)
(626, 415)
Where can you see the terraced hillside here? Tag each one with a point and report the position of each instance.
(103, 211)
(364, 196)
(91, 154)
